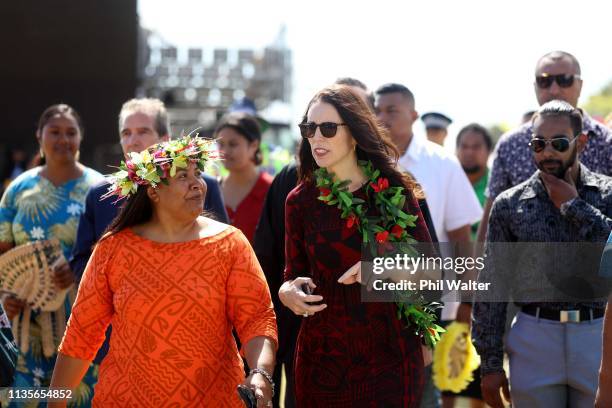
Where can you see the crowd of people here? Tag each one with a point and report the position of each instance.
(187, 290)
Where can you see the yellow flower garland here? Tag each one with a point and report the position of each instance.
(454, 359)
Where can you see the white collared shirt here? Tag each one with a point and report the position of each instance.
(450, 196)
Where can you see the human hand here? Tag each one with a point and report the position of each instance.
(352, 275)
(491, 384)
(261, 388)
(63, 276)
(292, 296)
(560, 190)
(13, 306)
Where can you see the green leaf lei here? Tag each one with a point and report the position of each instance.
(387, 227)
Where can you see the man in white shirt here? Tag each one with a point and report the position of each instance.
(453, 204)
(451, 199)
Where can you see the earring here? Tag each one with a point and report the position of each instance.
(41, 153)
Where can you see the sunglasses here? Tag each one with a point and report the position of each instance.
(544, 81)
(328, 129)
(560, 143)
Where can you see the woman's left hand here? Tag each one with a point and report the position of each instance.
(262, 388)
(353, 275)
(63, 276)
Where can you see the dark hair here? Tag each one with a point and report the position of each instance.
(373, 142)
(396, 88)
(246, 125)
(351, 82)
(556, 108)
(136, 209)
(475, 127)
(357, 84)
(59, 109)
(557, 55)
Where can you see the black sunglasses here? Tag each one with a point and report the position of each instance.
(560, 143)
(563, 80)
(328, 129)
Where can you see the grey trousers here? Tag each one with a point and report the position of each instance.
(553, 364)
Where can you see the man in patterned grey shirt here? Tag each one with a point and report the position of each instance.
(557, 76)
(562, 202)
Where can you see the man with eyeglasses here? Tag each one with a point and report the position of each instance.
(437, 171)
(554, 346)
(557, 76)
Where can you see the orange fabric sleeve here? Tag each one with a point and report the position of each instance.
(249, 304)
(93, 308)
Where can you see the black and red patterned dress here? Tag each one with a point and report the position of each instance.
(351, 354)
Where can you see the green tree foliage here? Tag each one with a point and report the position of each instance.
(601, 103)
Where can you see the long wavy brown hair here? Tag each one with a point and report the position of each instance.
(373, 141)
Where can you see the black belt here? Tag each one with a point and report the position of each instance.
(564, 316)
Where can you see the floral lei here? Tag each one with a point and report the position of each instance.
(388, 227)
(158, 163)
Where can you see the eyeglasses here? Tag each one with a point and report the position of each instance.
(328, 129)
(544, 81)
(560, 143)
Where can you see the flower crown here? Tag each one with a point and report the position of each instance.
(158, 163)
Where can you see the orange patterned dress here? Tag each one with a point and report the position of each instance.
(172, 307)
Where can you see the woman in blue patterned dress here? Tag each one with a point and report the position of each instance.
(43, 203)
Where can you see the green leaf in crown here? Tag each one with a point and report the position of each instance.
(159, 163)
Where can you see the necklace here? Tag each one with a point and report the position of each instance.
(378, 231)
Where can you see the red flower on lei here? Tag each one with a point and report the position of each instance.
(381, 185)
(382, 237)
(352, 221)
(397, 231)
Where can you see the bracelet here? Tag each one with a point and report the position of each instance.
(265, 374)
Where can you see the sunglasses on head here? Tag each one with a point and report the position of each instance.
(328, 129)
(563, 80)
(560, 143)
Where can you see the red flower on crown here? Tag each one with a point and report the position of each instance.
(166, 169)
(397, 231)
(382, 237)
(131, 169)
(381, 184)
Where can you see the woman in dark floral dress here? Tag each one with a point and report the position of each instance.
(349, 353)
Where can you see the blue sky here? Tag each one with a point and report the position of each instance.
(473, 60)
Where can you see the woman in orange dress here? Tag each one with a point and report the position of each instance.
(173, 284)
